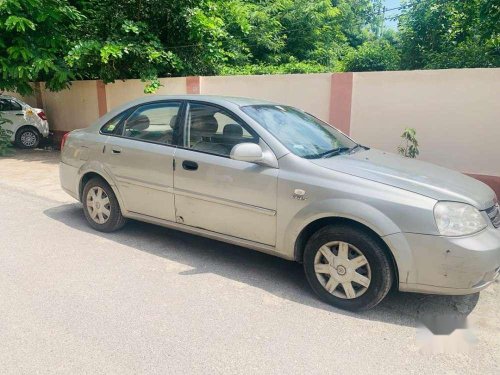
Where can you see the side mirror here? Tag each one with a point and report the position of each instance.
(249, 152)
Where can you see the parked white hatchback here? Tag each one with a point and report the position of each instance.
(28, 125)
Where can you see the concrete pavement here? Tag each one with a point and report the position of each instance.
(152, 300)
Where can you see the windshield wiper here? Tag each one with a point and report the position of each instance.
(353, 149)
(333, 152)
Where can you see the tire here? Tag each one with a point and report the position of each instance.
(27, 138)
(358, 256)
(101, 207)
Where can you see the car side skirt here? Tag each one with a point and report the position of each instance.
(267, 249)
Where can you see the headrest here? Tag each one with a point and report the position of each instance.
(139, 123)
(173, 122)
(204, 124)
(232, 130)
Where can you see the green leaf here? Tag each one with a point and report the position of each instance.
(18, 23)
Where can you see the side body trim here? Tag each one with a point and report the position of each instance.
(209, 234)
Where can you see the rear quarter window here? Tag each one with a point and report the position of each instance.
(112, 126)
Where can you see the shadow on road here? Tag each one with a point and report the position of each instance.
(282, 278)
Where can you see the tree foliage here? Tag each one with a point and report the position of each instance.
(204, 37)
(34, 42)
(439, 34)
(409, 144)
(373, 55)
(60, 40)
(360, 20)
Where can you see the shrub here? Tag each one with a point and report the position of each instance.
(5, 143)
(287, 68)
(372, 56)
(409, 144)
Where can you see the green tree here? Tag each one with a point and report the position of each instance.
(360, 20)
(59, 40)
(134, 38)
(33, 42)
(374, 55)
(450, 34)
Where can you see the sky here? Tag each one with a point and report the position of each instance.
(392, 4)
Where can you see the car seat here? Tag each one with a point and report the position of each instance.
(136, 126)
(203, 127)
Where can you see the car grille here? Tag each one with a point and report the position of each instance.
(494, 215)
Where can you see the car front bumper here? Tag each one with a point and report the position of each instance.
(447, 265)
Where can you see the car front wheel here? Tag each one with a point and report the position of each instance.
(348, 268)
(101, 207)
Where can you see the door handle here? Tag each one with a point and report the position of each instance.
(19, 114)
(189, 165)
(115, 150)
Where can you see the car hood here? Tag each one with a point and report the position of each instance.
(413, 175)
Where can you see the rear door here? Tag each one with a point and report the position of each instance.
(140, 156)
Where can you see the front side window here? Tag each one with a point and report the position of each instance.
(154, 122)
(15, 106)
(4, 105)
(9, 105)
(214, 130)
(301, 133)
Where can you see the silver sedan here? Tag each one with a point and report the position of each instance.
(273, 178)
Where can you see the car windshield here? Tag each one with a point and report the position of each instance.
(301, 133)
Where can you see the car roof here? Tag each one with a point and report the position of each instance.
(8, 97)
(215, 99)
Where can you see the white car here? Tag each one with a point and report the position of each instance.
(28, 125)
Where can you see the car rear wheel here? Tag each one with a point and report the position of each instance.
(27, 138)
(348, 268)
(101, 207)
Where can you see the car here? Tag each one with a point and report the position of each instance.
(274, 178)
(27, 125)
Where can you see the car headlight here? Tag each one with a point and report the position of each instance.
(458, 219)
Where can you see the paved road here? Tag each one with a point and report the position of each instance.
(152, 300)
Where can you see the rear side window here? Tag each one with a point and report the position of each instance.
(156, 122)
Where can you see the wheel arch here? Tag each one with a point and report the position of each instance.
(26, 126)
(87, 174)
(312, 227)
(359, 214)
(86, 177)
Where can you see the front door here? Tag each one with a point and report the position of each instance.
(215, 192)
(13, 112)
(139, 154)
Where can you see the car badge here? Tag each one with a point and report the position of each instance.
(299, 194)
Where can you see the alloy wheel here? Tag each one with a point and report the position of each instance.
(28, 139)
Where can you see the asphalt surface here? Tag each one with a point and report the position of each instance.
(152, 300)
